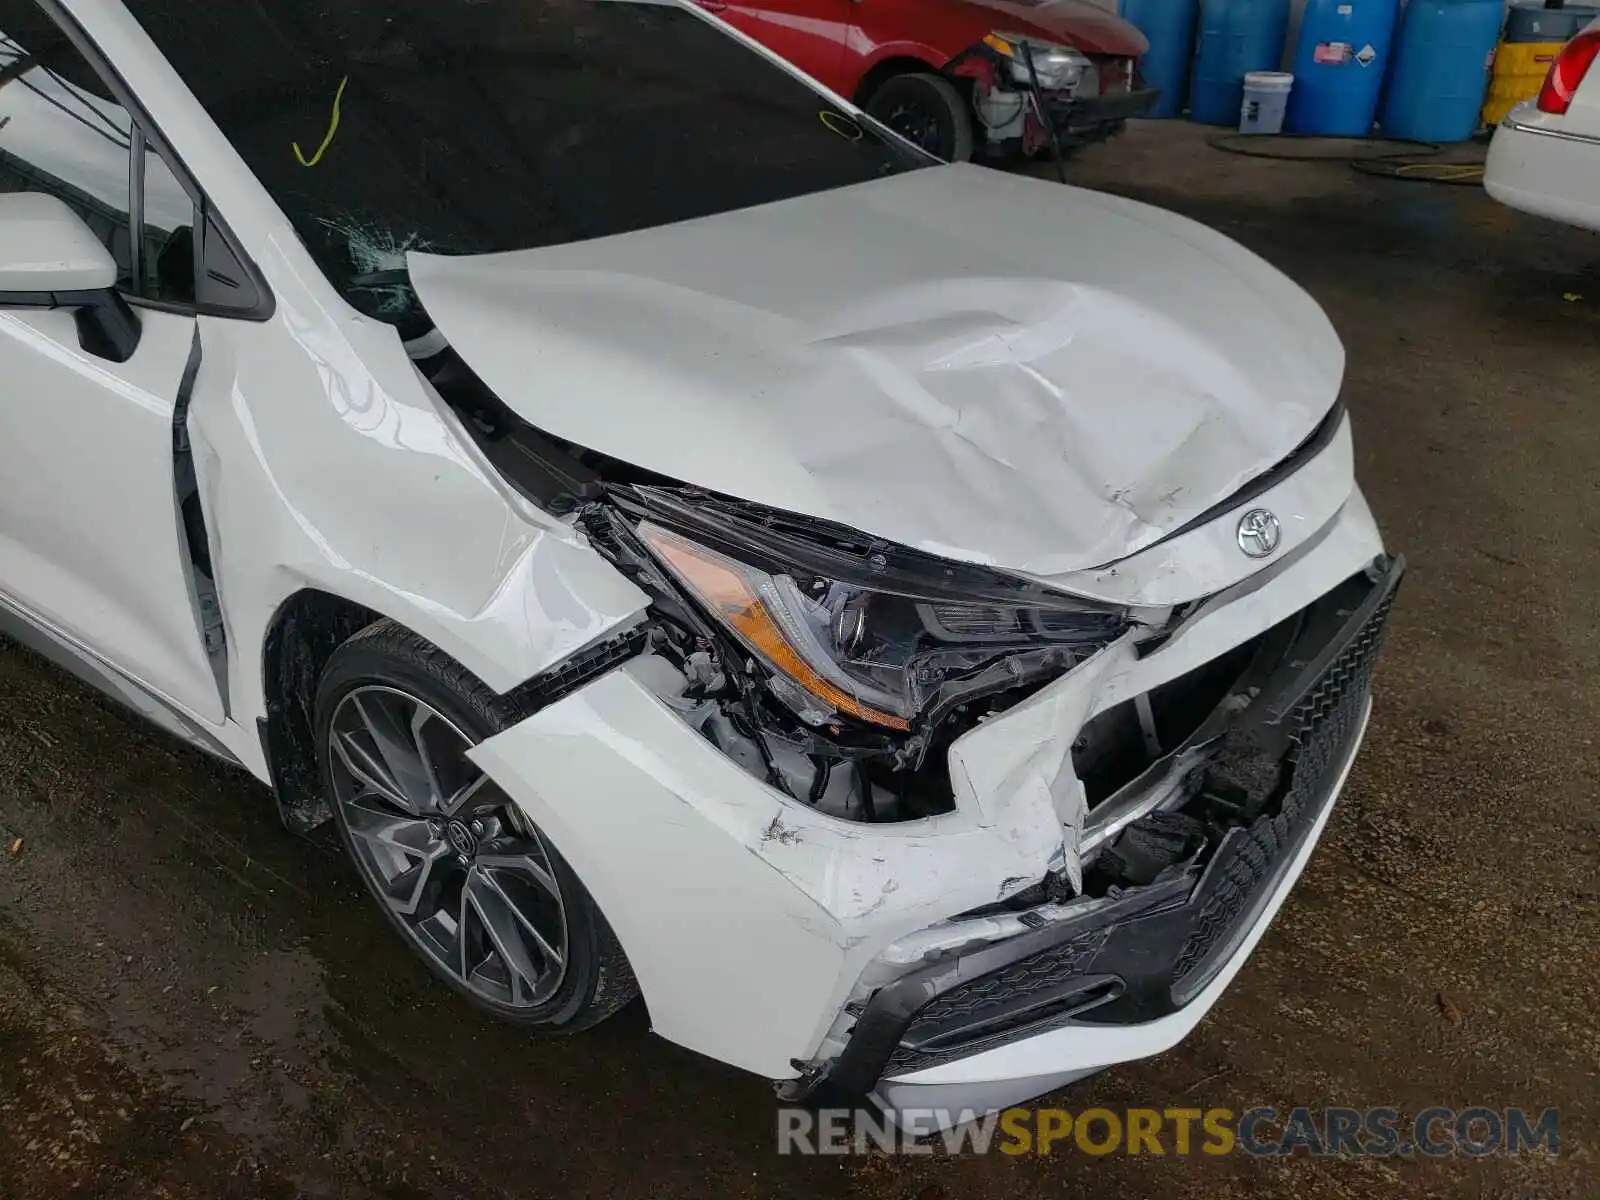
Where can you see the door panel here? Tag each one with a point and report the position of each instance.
(90, 536)
(809, 33)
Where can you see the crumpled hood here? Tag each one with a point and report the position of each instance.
(1079, 23)
(991, 368)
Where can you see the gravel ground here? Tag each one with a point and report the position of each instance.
(194, 1003)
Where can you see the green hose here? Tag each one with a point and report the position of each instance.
(1389, 158)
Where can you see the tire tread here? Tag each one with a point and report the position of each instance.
(387, 641)
(964, 133)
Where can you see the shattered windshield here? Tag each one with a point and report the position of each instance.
(468, 126)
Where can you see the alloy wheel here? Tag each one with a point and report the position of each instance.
(917, 124)
(467, 879)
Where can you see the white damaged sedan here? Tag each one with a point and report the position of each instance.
(909, 623)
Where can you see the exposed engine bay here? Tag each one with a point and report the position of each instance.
(839, 669)
(834, 667)
(1031, 98)
(1173, 887)
(1072, 779)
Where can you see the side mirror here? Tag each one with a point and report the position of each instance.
(50, 259)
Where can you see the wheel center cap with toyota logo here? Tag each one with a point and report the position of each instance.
(1259, 533)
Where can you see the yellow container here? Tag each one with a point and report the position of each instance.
(1519, 71)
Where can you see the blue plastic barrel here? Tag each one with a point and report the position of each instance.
(1339, 63)
(1168, 25)
(1441, 67)
(1235, 36)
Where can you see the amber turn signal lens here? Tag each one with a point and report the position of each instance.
(727, 592)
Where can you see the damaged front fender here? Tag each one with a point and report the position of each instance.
(747, 917)
(751, 919)
(292, 421)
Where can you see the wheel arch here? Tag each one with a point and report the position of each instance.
(904, 61)
(302, 635)
(304, 631)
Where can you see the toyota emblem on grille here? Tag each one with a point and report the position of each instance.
(1259, 532)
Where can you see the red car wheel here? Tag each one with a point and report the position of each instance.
(927, 110)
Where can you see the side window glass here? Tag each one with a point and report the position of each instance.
(62, 132)
(167, 263)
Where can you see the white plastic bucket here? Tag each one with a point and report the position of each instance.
(1266, 96)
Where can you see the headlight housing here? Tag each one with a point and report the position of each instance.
(1059, 68)
(840, 640)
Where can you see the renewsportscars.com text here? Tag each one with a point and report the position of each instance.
(1261, 1131)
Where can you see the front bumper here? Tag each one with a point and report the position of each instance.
(1077, 117)
(1131, 977)
(753, 921)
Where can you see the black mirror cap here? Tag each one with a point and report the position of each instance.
(108, 327)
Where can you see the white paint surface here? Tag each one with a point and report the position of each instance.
(748, 917)
(997, 369)
(46, 247)
(1548, 164)
(982, 366)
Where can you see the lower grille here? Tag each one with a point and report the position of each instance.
(1039, 991)
(1323, 726)
(1153, 949)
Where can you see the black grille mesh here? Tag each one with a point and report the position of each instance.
(1036, 974)
(1324, 724)
(1021, 978)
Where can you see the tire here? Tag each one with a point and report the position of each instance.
(531, 945)
(928, 110)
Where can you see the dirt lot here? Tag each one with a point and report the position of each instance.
(194, 1003)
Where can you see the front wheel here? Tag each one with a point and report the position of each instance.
(928, 111)
(461, 874)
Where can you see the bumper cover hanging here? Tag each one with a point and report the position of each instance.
(1145, 954)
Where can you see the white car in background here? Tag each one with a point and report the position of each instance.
(909, 622)
(1545, 156)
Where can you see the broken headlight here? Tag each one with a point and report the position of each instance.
(1059, 68)
(837, 643)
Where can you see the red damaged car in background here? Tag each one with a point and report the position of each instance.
(963, 77)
